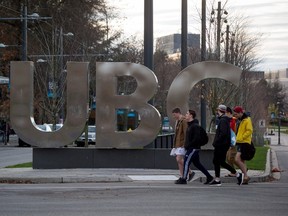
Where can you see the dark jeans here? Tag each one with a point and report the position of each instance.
(220, 160)
(192, 156)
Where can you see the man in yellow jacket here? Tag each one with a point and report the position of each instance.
(243, 137)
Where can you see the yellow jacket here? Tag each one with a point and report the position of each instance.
(244, 132)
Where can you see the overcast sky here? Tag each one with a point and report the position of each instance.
(265, 16)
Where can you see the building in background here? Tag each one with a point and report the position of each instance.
(254, 76)
(171, 44)
(281, 75)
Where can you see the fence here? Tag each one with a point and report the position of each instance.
(162, 141)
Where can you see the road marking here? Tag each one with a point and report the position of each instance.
(152, 177)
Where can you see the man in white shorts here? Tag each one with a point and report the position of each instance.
(179, 141)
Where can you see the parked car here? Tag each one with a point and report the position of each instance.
(167, 129)
(80, 142)
(57, 126)
(44, 127)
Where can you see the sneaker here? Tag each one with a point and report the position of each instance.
(190, 176)
(177, 180)
(240, 178)
(245, 181)
(215, 183)
(208, 180)
(181, 181)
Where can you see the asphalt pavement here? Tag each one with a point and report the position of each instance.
(29, 175)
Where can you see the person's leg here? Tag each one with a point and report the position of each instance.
(180, 162)
(198, 165)
(241, 164)
(233, 155)
(187, 162)
(229, 158)
(216, 162)
(228, 167)
(221, 160)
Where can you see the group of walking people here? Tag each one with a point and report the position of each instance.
(227, 152)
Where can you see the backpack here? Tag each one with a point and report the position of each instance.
(248, 151)
(203, 136)
(233, 138)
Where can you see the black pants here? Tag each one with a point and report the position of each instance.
(192, 156)
(220, 160)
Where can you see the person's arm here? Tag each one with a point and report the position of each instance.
(248, 129)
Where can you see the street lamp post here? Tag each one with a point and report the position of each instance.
(229, 58)
(184, 33)
(203, 58)
(148, 34)
(62, 35)
(24, 18)
(220, 12)
(279, 122)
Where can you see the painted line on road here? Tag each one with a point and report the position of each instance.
(153, 177)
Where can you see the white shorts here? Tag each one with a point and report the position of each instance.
(178, 151)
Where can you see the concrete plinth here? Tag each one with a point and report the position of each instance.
(67, 158)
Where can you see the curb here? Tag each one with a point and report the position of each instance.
(274, 164)
(39, 180)
(14, 176)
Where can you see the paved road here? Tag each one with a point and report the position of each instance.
(142, 199)
(148, 197)
(282, 155)
(11, 155)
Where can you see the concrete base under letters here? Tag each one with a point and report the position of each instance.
(68, 158)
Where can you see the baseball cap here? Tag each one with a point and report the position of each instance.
(238, 109)
(222, 108)
(229, 110)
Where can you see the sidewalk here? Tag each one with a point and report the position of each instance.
(29, 175)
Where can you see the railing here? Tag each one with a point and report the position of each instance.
(162, 141)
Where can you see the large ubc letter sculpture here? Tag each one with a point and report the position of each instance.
(107, 102)
(178, 95)
(21, 110)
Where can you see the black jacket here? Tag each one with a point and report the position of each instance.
(222, 137)
(192, 135)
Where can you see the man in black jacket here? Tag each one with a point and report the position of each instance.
(221, 143)
(192, 148)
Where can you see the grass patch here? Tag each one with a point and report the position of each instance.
(23, 165)
(259, 160)
(257, 163)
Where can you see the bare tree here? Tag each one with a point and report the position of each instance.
(47, 43)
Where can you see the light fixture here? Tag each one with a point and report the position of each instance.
(34, 16)
(69, 34)
(41, 60)
(2, 45)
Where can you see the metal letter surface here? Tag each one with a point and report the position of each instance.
(21, 109)
(178, 95)
(107, 101)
